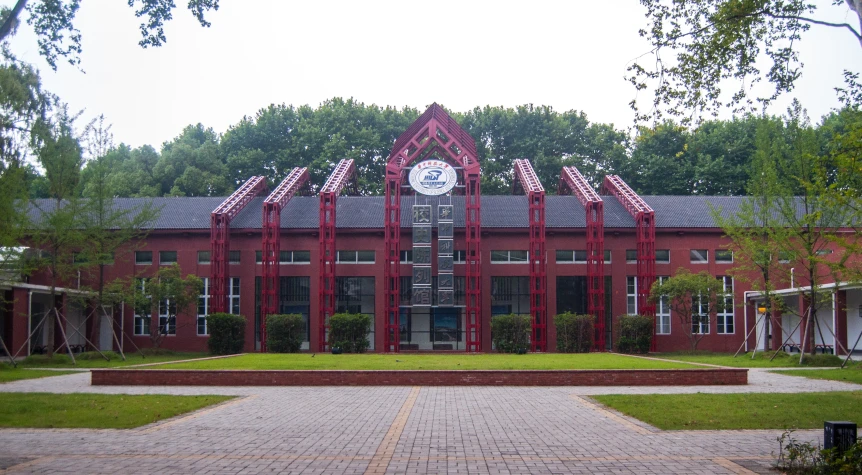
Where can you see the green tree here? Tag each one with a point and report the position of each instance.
(192, 165)
(704, 49)
(692, 298)
(57, 234)
(111, 232)
(166, 293)
(58, 39)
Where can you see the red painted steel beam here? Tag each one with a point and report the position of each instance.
(645, 230)
(532, 187)
(220, 239)
(573, 182)
(343, 176)
(434, 133)
(295, 181)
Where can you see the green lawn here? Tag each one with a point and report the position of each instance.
(95, 411)
(738, 411)
(94, 360)
(441, 362)
(744, 360)
(8, 373)
(848, 375)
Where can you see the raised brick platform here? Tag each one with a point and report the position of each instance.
(643, 377)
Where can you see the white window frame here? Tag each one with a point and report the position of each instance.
(691, 256)
(143, 263)
(657, 261)
(292, 260)
(203, 303)
(509, 257)
(459, 257)
(726, 315)
(141, 323)
(208, 260)
(701, 325)
(165, 322)
(574, 256)
(340, 260)
(631, 261)
(662, 312)
(169, 263)
(406, 256)
(631, 295)
(233, 302)
(717, 261)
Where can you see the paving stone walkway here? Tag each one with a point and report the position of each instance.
(496, 430)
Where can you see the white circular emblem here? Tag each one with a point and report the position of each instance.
(433, 177)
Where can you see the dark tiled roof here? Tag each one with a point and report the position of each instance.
(367, 211)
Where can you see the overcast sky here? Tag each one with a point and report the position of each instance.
(461, 54)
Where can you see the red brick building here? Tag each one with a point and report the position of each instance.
(371, 266)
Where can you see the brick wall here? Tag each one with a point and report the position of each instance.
(682, 377)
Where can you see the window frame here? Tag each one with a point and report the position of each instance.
(727, 314)
(208, 257)
(509, 260)
(658, 261)
(720, 253)
(162, 262)
(138, 262)
(693, 253)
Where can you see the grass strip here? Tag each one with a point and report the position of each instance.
(738, 411)
(95, 411)
(8, 374)
(94, 360)
(760, 360)
(325, 361)
(847, 375)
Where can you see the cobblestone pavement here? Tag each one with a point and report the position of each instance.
(398, 430)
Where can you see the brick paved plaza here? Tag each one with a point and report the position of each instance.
(398, 430)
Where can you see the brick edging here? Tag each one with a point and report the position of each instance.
(612, 377)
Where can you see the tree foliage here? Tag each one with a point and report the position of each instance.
(693, 298)
(708, 55)
(54, 24)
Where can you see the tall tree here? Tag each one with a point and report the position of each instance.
(707, 55)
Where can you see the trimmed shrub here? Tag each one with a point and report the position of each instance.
(227, 333)
(575, 333)
(284, 333)
(511, 332)
(349, 331)
(635, 334)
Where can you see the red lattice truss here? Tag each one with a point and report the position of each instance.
(645, 229)
(573, 183)
(433, 134)
(220, 239)
(527, 182)
(295, 182)
(342, 177)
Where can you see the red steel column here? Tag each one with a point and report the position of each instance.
(473, 231)
(392, 259)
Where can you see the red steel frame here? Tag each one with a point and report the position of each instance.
(645, 229)
(435, 134)
(528, 183)
(272, 206)
(343, 176)
(220, 239)
(572, 182)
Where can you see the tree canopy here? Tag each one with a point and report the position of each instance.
(708, 55)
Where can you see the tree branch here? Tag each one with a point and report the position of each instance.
(10, 20)
(817, 22)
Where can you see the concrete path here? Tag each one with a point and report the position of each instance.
(399, 430)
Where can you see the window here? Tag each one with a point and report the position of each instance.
(298, 257)
(662, 312)
(233, 257)
(233, 296)
(724, 316)
(572, 256)
(631, 256)
(460, 257)
(700, 315)
(203, 257)
(502, 257)
(167, 317)
(355, 257)
(824, 252)
(142, 312)
(632, 295)
(203, 308)
(699, 256)
(607, 256)
(356, 295)
(510, 295)
(167, 257)
(407, 256)
(662, 256)
(784, 257)
(258, 257)
(723, 256)
(294, 296)
(143, 257)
